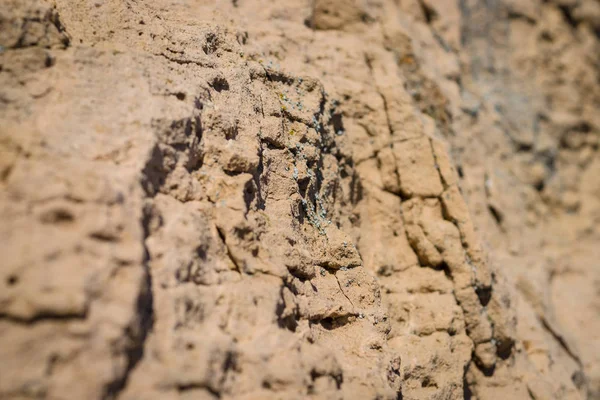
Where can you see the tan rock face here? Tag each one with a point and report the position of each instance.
(323, 199)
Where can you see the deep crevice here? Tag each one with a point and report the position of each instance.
(428, 12)
(289, 322)
(568, 17)
(221, 233)
(138, 332)
(220, 84)
(332, 323)
(504, 348)
(467, 394)
(496, 214)
(484, 294)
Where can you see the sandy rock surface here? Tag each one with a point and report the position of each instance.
(326, 199)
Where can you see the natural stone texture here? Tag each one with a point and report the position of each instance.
(328, 199)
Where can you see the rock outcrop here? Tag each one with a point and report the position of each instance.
(370, 199)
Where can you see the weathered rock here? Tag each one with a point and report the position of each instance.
(318, 199)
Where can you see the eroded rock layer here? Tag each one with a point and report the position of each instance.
(352, 199)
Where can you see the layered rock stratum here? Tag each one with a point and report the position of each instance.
(326, 199)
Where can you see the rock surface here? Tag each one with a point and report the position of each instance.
(341, 199)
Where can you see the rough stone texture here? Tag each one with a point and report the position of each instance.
(370, 199)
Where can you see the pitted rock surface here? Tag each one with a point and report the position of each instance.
(327, 199)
